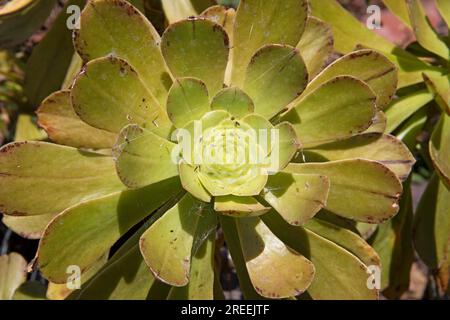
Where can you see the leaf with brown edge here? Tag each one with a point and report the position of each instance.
(13, 272)
(166, 246)
(296, 197)
(369, 66)
(102, 33)
(351, 280)
(287, 22)
(439, 148)
(63, 125)
(84, 232)
(109, 94)
(28, 227)
(317, 119)
(275, 76)
(265, 255)
(316, 45)
(58, 176)
(361, 190)
(385, 149)
(235, 206)
(197, 47)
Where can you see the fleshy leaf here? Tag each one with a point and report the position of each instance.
(317, 119)
(63, 126)
(143, 158)
(439, 148)
(393, 241)
(316, 45)
(288, 144)
(29, 227)
(351, 280)
(423, 30)
(265, 255)
(361, 190)
(234, 101)
(201, 278)
(439, 86)
(366, 65)
(191, 183)
(444, 9)
(385, 149)
(198, 48)
(167, 244)
(402, 108)
(379, 122)
(432, 224)
(102, 33)
(296, 197)
(187, 101)
(108, 94)
(287, 22)
(83, 233)
(239, 206)
(275, 76)
(345, 239)
(59, 177)
(13, 272)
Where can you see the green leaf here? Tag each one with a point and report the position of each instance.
(402, 108)
(393, 241)
(191, 182)
(361, 190)
(143, 158)
(63, 125)
(259, 23)
(239, 206)
(109, 94)
(439, 86)
(187, 101)
(296, 197)
(117, 28)
(58, 176)
(444, 9)
(50, 59)
(13, 272)
(233, 100)
(167, 244)
(125, 275)
(369, 66)
(432, 224)
(31, 290)
(201, 278)
(20, 19)
(233, 243)
(439, 148)
(265, 255)
(424, 32)
(288, 144)
(385, 149)
(345, 278)
(317, 119)
(346, 239)
(400, 9)
(197, 48)
(182, 9)
(29, 227)
(349, 33)
(27, 129)
(316, 45)
(378, 123)
(83, 233)
(275, 76)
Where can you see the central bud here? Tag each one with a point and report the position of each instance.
(229, 155)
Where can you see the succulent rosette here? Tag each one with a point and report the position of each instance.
(132, 139)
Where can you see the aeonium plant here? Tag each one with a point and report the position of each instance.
(226, 124)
